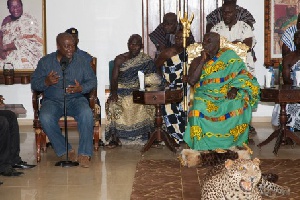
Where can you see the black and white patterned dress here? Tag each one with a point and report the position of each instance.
(173, 114)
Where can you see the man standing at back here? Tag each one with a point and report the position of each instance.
(74, 33)
(216, 16)
(236, 31)
(164, 34)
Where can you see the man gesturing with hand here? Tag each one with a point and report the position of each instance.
(80, 79)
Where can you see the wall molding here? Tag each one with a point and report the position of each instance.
(26, 122)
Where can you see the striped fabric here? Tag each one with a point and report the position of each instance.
(126, 120)
(288, 37)
(242, 15)
(159, 37)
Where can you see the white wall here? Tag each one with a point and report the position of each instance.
(104, 28)
(256, 8)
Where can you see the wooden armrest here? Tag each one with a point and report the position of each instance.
(93, 98)
(36, 102)
(96, 109)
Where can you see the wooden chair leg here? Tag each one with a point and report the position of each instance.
(96, 137)
(38, 138)
(44, 141)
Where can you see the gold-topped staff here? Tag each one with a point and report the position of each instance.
(186, 23)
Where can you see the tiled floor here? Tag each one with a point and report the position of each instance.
(110, 175)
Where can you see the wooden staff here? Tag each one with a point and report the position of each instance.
(186, 23)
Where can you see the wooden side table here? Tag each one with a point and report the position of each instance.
(158, 97)
(16, 108)
(281, 94)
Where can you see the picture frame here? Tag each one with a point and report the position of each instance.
(276, 20)
(28, 35)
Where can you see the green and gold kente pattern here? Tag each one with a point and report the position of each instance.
(196, 132)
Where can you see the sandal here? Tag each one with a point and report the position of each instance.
(113, 144)
(252, 130)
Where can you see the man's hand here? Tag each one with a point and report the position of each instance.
(231, 94)
(161, 47)
(71, 89)
(204, 56)
(113, 98)
(52, 78)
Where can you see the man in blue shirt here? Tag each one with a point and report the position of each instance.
(74, 33)
(80, 80)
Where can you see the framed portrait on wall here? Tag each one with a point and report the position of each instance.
(22, 39)
(279, 15)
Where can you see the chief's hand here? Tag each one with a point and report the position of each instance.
(231, 94)
(204, 56)
(71, 89)
(52, 78)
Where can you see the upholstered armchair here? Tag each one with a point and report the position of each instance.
(40, 136)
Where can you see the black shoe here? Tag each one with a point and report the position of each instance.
(11, 172)
(1, 182)
(252, 130)
(23, 165)
(101, 143)
(49, 144)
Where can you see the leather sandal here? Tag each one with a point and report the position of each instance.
(113, 144)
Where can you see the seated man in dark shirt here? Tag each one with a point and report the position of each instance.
(80, 80)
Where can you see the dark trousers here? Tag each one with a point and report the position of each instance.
(9, 139)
